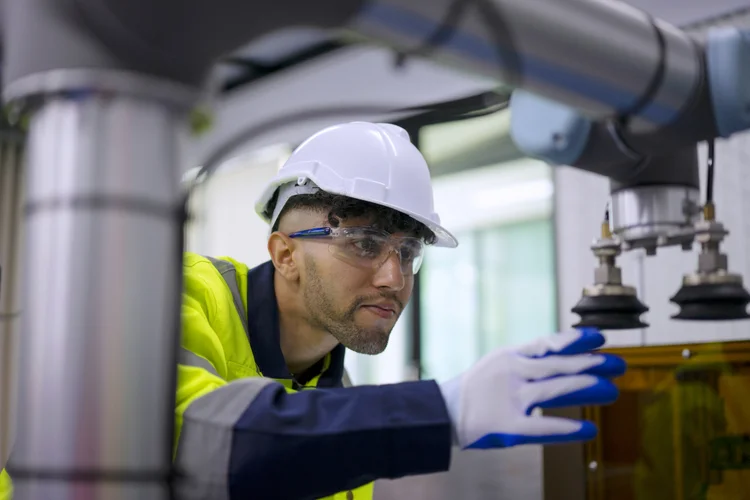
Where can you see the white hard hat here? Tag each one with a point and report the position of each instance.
(374, 162)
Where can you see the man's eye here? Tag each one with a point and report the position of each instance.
(367, 246)
(410, 251)
(407, 254)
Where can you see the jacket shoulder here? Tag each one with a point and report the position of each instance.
(200, 264)
(201, 278)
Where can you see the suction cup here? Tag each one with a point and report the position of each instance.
(610, 311)
(712, 301)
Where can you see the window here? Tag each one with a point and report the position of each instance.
(223, 220)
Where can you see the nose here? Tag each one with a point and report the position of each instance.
(389, 275)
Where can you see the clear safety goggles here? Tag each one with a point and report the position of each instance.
(368, 247)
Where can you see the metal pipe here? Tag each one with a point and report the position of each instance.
(102, 274)
(603, 57)
(599, 56)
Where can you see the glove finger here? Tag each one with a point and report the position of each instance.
(613, 366)
(576, 390)
(539, 430)
(604, 365)
(573, 342)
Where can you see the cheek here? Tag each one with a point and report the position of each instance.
(319, 252)
(350, 282)
(405, 293)
(339, 279)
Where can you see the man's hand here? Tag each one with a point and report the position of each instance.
(491, 404)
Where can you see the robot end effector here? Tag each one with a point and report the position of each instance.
(654, 185)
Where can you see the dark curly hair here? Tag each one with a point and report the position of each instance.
(341, 208)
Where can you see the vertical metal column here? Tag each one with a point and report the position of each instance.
(102, 290)
(11, 189)
(415, 323)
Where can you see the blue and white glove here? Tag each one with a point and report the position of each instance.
(491, 404)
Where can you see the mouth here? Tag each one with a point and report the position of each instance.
(382, 310)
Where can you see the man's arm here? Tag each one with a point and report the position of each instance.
(252, 438)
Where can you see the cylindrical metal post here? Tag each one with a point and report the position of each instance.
(661, 198)
(101, 298)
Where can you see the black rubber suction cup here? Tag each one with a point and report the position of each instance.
(610, 312)
(712, 302)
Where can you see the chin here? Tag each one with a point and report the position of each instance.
(370, 343)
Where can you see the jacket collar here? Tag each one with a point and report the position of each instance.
(263, 324)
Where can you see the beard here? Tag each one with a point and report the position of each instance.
(341, 322)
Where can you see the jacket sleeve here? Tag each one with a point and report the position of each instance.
(250, 438)
(6, 487)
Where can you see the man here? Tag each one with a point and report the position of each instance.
(350, 213)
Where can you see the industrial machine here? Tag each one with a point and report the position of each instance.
(107, 87)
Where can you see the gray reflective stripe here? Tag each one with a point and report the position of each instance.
(229, 273)
(186, 488)
(189, 358)
(205, 444)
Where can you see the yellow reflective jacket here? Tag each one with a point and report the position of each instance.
(6, 488)
(225, 340)
(245, 428)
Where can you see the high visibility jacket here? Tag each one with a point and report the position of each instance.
(6, 488)
(244, 428)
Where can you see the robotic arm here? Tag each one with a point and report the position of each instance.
(107, 85)
(655, 198)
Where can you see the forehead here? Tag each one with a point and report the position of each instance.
(366, 224)
(363, 221)
(370, 222)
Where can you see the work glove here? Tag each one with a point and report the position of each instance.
(491, 404)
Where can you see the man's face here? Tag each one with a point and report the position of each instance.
(358, 306)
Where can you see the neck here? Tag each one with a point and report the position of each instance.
(302, 343)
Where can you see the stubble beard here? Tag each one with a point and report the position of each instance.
(342, 326)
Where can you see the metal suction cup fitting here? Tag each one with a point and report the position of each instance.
(712, 293)
(610, 307)
(712, 297)
(608, 304)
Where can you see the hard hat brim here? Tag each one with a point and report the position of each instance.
(444, 238)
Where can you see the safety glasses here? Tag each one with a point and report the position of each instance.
(368, 247)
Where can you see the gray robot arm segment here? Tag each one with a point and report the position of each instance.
(728, 66)
(603, 58)
(562, 135)
(177, 41)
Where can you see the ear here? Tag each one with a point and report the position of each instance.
(281, 249)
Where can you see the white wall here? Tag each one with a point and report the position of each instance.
(224, 221)
(580, 198)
